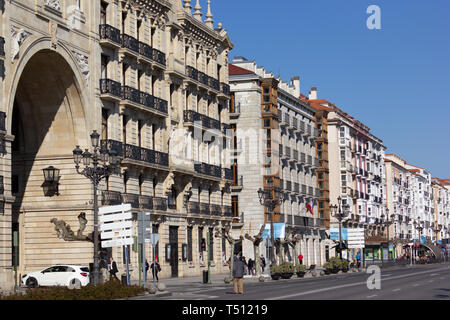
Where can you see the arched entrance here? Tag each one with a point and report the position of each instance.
(48, 120)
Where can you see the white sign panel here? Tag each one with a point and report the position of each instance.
(116, 225)
(117, 243)
(117, 234)
(115, 217)
(115, 209)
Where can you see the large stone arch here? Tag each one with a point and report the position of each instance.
(48, 113)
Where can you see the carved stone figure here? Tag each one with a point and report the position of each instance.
(18, 36)
(63, 230)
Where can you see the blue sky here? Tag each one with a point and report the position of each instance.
(396, 80)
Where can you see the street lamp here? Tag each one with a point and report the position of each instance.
(270, 197)
(389, 220)
(51, 181)
(340, 213)
(104, 163)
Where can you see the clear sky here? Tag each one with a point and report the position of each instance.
(395, 80)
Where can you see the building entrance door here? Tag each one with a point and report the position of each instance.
(173, 243)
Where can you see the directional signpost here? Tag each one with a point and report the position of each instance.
(356, 240)
(143, 234)
(115, 227)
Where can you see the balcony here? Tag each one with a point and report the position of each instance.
(304, 190)
(160, 204)
(311, 191)
(110, 90)
(227, 174)
(303, 158)
(303, 129)
(2, 186)
(215, 210)
(130, 44)
(288, 185)
(296, 188)
(295, 155)
(146, 202)
(144, 101)
(193, 207)
(193, 118)
(227, 211)
(284, 119)
(197, 77)
(158, 57)
(132, 199)
(309, 161)
(111, 198)
(225, 89)
(110, 36)
(146, 156)
(208, 170)
(205, 209)
(235, 111)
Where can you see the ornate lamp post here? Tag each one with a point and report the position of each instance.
(437, 229)
(340, 212)
(389, 220)
(418, 226)
(270, 197)
(104, 163)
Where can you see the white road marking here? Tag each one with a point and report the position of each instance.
(386, 275)
(345, 286)
(416, 285)
(372, 296)
(395, 290)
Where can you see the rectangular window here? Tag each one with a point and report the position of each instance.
(235, 204)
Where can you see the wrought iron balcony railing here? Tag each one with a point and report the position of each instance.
(132, 199)
(205, 209)
(128, 42)
(145, 50)
(192, 73)
(2, 121)
(208, 169)
(112, 87)
(160, 204)
(192, 116)
(146, 155)
(193, 207)
(159, 56)
(2, 46)
(215, 210)
(227, 211)
(225, 88)
(111, 198)
(146, 202)
(110, 33)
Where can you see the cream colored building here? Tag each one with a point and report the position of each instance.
(149, 75)
(275, 138)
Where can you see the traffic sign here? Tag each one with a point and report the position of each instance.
(115, 209)
(117, 234)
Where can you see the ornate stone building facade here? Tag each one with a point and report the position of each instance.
(149, 75)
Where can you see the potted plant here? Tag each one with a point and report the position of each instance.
(328, 266)
(336, 265)
(275, 272)
(287, 270)
(344, 266)
(301, 270)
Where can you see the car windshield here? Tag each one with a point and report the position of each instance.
(84, 269)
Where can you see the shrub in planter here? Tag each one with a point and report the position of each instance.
(336, 264)
(328, 266)
(301, 270)
(344, 266)
(275, 272)
(287, 270)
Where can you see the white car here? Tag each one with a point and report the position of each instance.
(60, 275)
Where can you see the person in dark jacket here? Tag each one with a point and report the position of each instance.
(250, 266)
(263, 263)
(147, 266)
(112, 269)
(238, 274)
(155, 269)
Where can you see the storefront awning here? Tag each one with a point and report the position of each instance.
(437, 251)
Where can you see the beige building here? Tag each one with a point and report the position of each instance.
(149, 75)
(275, 138)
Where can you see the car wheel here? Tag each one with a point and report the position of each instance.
(31, 283)
(74, 284)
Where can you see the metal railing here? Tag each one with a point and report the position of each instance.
(108, 86)
(108, 32)
(129, 42)
(208, 169)
(207, 122)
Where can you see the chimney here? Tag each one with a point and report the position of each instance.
(313, 94)
(295, 82)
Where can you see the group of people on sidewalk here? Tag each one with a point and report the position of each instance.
(155, 266)
(240, 268)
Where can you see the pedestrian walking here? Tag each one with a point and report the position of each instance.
(263, 262)
(300, 258)
(250, 266)
(155, 269)
(238, 274)
(358, 260)
(147, 266)
(113, 269)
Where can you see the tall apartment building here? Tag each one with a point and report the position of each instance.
(399, 194)
(441, 209)
(274, 135)
(422, 204)
(140, 73)
(356, 171)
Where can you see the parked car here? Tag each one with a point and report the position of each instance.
(60, 275)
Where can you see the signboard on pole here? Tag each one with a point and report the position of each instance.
(356, 238)
(334, 234)
(115, 226)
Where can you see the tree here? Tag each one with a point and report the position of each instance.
(256, 242)
(292, 241)
(232, 243)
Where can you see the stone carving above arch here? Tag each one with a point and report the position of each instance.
(83, 64)
(54, 4)
(169, 183)
(18, 36)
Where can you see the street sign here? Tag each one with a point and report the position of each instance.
(116, 234)
(117, 243)
(115, 209)
(116, 225)
(356, 238)
(115, 217)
